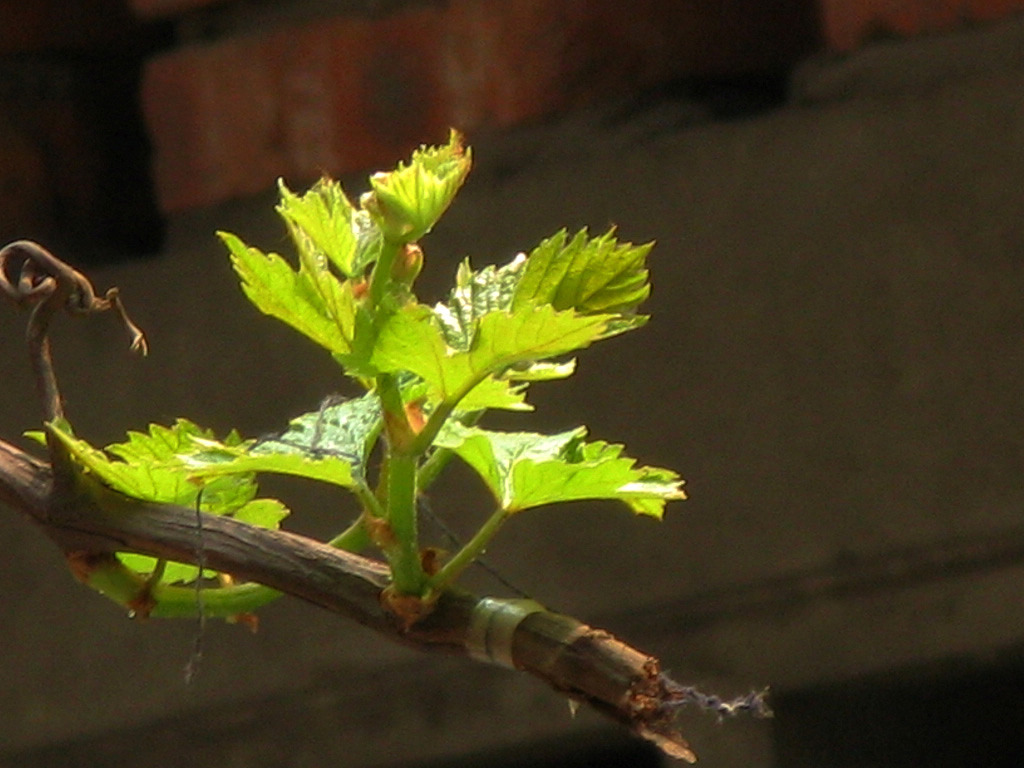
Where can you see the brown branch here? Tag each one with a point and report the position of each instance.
(586, 664)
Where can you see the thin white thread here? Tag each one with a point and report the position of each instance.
(192, 667)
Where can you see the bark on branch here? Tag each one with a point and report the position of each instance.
(586, 664)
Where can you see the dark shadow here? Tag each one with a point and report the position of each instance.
(956, 716)
(75, 152)
(596, 750)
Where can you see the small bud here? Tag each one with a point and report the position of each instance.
(407, 265)
(360, 288)
(431, 559)
(406, 202)
(415, 416)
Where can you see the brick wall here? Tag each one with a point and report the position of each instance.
(235, 93)
(344, 92)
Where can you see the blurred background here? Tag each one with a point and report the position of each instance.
(835, 361)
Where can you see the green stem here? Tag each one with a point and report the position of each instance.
(440, 415)
(432, 467)
(157, 575)
(355, 538)
(218, 602)
(470, 552)
(126, 587)
(380, 277)
(371, 505)
(396, 422)
(403, 552)
(398, 483)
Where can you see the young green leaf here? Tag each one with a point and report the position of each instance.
(503, 393)
(152, 467)
(311, 300)
(320, 223)
(325, 225)
(539, 371)
(476, 293)
(407, 202)
(412, 341)
(331, 445)
(525, 469)
(343, 428)
(588, 275)
(219, 460)
(265, 513)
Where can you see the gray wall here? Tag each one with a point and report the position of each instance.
(835, 363)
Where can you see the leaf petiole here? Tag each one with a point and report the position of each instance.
(138, 594)
(473, 549)
(355, 538)
(432, 467)
(428, 435)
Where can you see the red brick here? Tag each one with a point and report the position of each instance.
(326, 98)
(200, 154)
(514, 61)
(848, 24)
(348, 93)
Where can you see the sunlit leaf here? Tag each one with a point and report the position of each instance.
(412, 341)
(153, 466)
(407, 202)
(476, 293)
(218, 460)
(320, 222)
(314, 303)
(588, 275)
(345, 429)
(539, 371)
(150, 467)
(481, 292)
(265, 513)
(525, 469)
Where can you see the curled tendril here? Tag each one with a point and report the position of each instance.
(33, 277)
